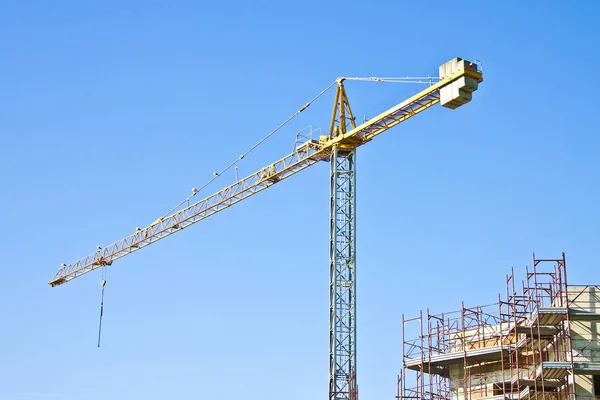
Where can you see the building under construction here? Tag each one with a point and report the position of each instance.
(538, 340)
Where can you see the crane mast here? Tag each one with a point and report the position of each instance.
(458, 79)
(342, 253)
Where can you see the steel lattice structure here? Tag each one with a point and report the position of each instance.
(342, 276)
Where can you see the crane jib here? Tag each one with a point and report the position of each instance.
(459, 79)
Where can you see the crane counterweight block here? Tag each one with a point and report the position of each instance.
(459, 91)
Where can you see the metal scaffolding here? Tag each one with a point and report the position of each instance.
(521, 347)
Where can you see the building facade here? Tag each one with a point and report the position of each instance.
(540, 340)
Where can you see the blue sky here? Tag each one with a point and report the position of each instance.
(112, 112)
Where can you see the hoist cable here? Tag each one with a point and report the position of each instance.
(102, 284)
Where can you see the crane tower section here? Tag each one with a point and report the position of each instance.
(342, 253)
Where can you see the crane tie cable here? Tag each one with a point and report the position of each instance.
(405, 79)
(217, 174)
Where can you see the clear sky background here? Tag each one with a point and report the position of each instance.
(112, 111)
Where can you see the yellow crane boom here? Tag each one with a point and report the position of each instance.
(458, 78)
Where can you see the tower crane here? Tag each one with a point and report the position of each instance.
(458, 79)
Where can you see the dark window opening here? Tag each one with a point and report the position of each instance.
(596, 385)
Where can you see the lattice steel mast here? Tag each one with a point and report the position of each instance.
(342, 255)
